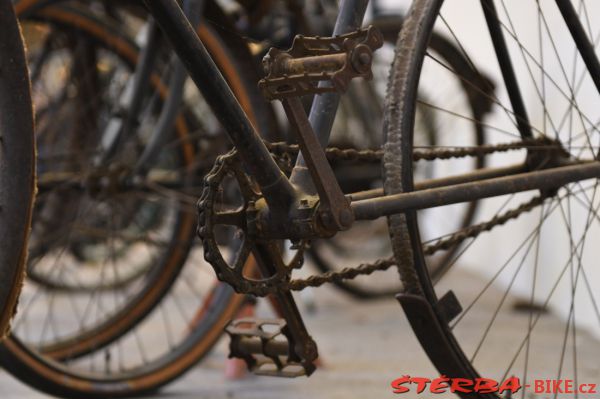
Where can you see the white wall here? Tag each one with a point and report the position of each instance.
(466, 18)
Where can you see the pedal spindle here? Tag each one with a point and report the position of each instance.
(312, 60)
(268, 349)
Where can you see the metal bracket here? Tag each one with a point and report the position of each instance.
(448, 306)
(334, 208)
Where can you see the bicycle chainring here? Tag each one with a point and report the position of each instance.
(233, 273)
(213, 212)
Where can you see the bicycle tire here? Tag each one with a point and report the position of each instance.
(160, 278)
(17, 163)
(390, 26)
(457, 342)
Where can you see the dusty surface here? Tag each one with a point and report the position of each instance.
(364, 347)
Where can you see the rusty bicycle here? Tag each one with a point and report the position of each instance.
(113, 253)
(544, 175)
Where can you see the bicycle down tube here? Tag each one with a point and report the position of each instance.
(207, 77)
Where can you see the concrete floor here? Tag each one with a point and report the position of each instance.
(364, 346)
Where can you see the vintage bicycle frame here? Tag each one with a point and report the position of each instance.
(313, 174)
(282, 193)
(313, 177)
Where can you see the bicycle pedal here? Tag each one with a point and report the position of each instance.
(312, 60)
(265, 346)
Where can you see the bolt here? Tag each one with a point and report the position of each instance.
(308, 349)
(346, 218)
(326, 218)
(364, 58)
(361, 58)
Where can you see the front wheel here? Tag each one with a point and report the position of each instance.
(17, 163)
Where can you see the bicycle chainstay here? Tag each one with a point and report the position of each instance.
(284, 154)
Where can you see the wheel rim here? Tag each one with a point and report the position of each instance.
(529, 290)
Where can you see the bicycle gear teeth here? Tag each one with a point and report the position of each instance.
(233, 274)
(284, 154)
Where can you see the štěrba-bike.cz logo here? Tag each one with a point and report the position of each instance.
(506, 388)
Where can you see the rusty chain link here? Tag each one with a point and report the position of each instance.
(364, 269)
(284, 153)
(339, 154)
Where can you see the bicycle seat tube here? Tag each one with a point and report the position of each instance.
(324, 106)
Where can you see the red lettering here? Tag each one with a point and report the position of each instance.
(512, 384)
(591, 388)
(461, 385)
(398, 383)
(539, 386)
(421, 383)
(485, 385)
(439, 385)
(556, 386)
(569, 386)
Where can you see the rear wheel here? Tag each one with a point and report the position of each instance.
(358, 125)
(524, 276)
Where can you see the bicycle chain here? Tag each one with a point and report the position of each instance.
(284, 152)
(442, 244)
(339, 154)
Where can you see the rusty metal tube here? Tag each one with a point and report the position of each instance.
(548, 179)
(477, 175)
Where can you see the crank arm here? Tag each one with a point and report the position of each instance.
(334, 207)
(321, 65)
(302, 348)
